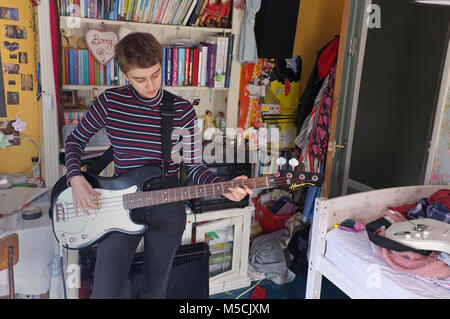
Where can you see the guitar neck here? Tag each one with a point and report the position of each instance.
(168, 195)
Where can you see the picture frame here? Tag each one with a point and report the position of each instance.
(69, 99)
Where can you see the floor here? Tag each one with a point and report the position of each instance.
(293, 290)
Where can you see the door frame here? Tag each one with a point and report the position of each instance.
(345, 96)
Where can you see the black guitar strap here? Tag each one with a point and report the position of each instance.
(167, 114)
(385, 242)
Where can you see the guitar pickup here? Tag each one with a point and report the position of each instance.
(98, 202)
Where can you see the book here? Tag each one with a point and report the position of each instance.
(175, 66)
(96, 72)
(187, 56)
(204, 67)
(212, 51)
(101, 74)
(91, 69)
(75, 66)
(67, 66)
(168, 66)
(194, 72)
(189, 13)
(80, 67)
(71, 67)
(163, 66)
(181, 65)
(86, 66)
(193, 17)
(229, 58)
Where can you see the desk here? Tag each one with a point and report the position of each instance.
(38, 270)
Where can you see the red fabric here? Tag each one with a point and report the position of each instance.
(54, 34)
(259, 293)
(327, 58)
(442, 196)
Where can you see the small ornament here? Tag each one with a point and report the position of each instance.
(19, 126)
(101, 43)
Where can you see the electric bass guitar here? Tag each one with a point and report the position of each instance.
(422, 234)
(120, 195)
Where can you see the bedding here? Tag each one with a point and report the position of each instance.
(352, 254)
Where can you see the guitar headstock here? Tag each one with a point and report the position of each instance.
(293, 179)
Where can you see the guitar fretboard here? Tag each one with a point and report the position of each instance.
(168, 195)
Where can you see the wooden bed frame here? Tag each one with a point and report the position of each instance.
(365, 207)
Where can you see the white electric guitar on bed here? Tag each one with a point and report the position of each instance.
(422, 234)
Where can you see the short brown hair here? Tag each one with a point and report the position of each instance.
(138, 50)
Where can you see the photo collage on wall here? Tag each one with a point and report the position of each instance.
(13, 59)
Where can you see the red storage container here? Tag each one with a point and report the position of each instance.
(269, 222)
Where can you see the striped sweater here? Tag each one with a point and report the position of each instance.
(133, 125)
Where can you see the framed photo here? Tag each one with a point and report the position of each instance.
(23, 57)
(9, 13)
(15, 31)
(69, 99)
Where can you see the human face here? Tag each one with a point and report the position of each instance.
(146, 81)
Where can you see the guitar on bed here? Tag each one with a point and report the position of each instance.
(122, 194)
(421, 233)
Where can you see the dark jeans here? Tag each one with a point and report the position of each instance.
(115, 253)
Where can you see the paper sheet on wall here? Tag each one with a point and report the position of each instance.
(15, 198)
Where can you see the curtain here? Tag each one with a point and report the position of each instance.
(247, 46)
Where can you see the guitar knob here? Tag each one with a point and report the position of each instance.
(281, 161)
(293, 162)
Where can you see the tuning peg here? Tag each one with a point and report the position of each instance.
(281, 161)
(293, 162)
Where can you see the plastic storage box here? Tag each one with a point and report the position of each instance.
(269, 222)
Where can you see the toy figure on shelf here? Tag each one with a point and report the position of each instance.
(220, 121)
(208, 120)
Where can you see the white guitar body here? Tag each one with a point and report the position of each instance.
(78, 231)
(421, 234)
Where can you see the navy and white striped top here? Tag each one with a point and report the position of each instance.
(133, 125)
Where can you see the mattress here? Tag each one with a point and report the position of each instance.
(352, 254)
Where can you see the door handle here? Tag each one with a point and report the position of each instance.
(334, 146)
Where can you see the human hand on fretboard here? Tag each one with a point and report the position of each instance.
(237, 193)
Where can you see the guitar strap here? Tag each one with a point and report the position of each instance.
(388, 243)
(167, 114)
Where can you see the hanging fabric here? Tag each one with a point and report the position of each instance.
(314, 133)
(326, 57)
(275, 27)
(247, 46)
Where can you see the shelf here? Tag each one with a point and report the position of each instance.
(70, 22)
(104, 87)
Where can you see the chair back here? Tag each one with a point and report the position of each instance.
(9, 256)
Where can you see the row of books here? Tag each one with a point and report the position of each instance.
(177, 12)
(79, 67)
(207, 64)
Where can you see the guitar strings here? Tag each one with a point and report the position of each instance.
(119, 199)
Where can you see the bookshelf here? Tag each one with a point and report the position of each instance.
(214, 99)
(74, 24)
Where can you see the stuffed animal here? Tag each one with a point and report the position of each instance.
(67, 41)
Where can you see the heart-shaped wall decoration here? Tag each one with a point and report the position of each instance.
(101, 44)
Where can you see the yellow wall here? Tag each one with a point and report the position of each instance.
(318, 22)
(17, 159)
